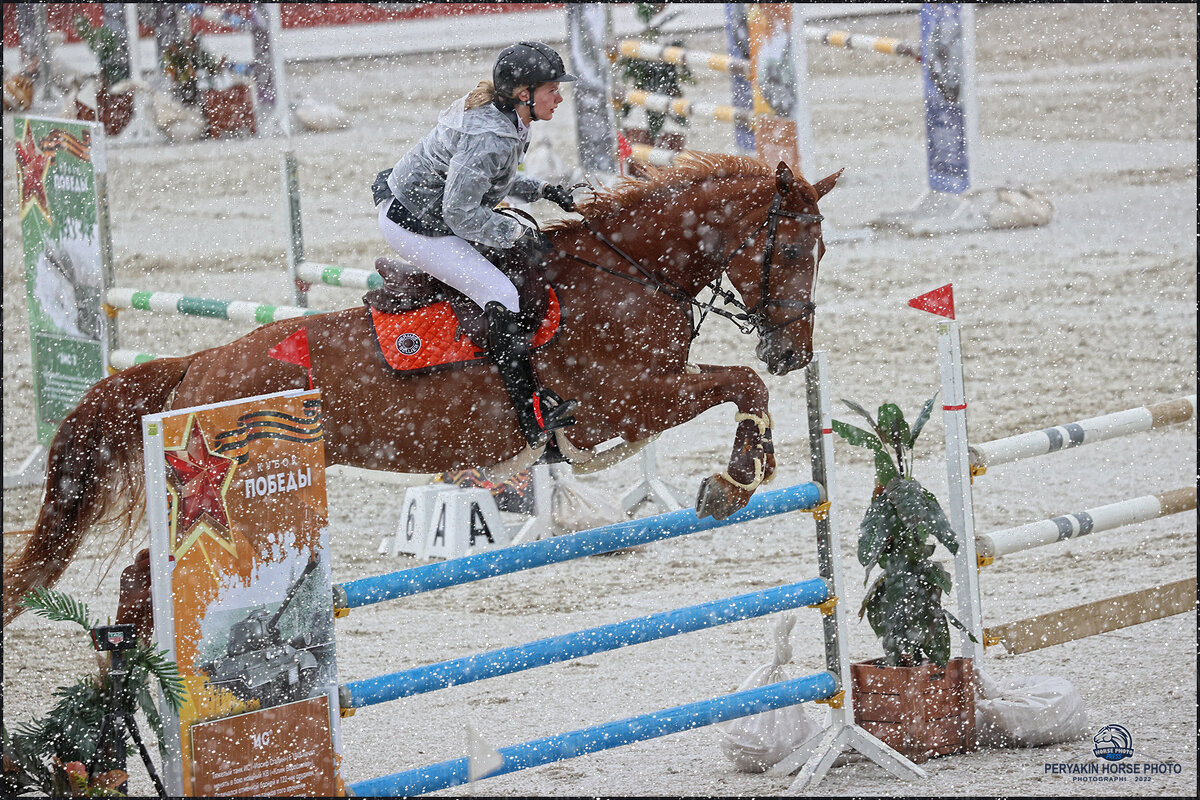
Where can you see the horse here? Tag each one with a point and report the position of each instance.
(627, 275)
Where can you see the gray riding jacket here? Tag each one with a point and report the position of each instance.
(452, 179)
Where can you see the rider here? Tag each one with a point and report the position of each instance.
(437, 211)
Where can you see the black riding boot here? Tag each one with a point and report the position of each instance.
(508, 346)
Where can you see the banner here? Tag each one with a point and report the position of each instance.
(737, 38)
(769, 26)
(595, 126)
(242, 594)
(60, 169)
(944, 39)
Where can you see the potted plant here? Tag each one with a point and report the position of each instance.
(186, 65)
(201, 80)
(917, 699)
(113, 110)
(656, 77)
(51, 755)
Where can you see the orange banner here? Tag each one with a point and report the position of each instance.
(242, 587)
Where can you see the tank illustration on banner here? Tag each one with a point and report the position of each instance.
(259, 664)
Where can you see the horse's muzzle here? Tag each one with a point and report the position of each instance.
(781, 359)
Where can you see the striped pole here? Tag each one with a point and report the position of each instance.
(658, 156)
(601, 639)
(830, 37)
(1094, 520)
(606, 736)
(1087, 431)
(171, 303)
(645, 51)
(542, 552)
(330, 275)
(859, 41)
(682, 107)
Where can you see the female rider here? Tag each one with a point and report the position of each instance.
(437, 209)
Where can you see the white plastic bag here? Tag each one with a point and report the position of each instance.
(758, 742)
(1028, 712)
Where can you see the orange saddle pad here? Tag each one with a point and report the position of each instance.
(424, 339)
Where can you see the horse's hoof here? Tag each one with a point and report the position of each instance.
(718, 498)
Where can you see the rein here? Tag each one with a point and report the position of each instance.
(750, 319)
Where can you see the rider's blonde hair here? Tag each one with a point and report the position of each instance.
(485, 93)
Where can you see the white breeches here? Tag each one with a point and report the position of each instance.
(453, 261)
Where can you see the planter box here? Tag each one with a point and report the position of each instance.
(229, 111)
(672, 140)
(920, 712)
(637, 136)
(115, 110)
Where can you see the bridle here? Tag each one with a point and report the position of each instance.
(750, 319)
(756, 316)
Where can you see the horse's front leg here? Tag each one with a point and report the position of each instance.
(670, 400)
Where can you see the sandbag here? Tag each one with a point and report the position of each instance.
(318, 115)
(575, 507)
(1032, 711)
(758, 742)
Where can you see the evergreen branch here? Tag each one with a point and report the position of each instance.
(59, 607)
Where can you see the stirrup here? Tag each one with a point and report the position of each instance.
(555, 412)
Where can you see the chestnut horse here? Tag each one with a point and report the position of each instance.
(627, 277)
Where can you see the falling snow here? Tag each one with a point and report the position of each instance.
(1092, 105)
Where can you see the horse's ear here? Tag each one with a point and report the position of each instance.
(825, 184)
(784, 179)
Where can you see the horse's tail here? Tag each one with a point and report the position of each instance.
(94, 474)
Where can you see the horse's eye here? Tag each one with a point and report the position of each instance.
(791, 251)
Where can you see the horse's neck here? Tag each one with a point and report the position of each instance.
(684, 239)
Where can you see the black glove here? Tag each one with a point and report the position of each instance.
(534, 244)
(560, 195)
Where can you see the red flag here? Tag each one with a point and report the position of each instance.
(294, 350)
(624, 151)
(940, 301)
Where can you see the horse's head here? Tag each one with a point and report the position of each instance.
(775, 266)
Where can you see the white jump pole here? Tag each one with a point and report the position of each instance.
(1086, 431)
(940, 301)
(1081, 523)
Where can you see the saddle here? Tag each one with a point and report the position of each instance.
(421, 324)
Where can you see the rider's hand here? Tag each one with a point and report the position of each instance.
(533, 242)
(560, 195)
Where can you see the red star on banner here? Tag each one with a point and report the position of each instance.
(32, 165)
(200, 475)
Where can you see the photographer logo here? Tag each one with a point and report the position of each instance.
(1115, 761)
(1112, 743)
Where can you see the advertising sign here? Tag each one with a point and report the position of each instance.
(243, 602)
(595, 127)
(769, 26)
(946, 35)
(60, 169)
(737, 38)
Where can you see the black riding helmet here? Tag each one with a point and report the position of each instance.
(526, 64)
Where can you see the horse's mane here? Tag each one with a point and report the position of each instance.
(691, 168)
